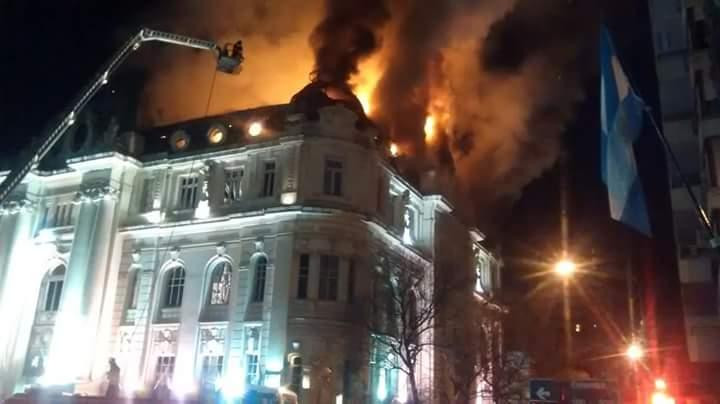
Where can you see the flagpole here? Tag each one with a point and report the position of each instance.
(714, 241)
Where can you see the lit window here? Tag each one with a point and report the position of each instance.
(260, 273)
(268, 179)
(189, 195)
(303, 276)
(216, 135)
(332, 184)
(212, 367)
(252, 355)
(233, 184)
(328, 287)
(165, 367)
(54, 289)
(175, 287)
(220, 284)
(212, 348)
(181, 143)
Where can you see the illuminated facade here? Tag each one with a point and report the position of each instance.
(222, 253)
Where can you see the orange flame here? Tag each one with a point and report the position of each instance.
(394, 150)
(429, 129)
(365, 81)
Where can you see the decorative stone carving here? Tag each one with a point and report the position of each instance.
(175, 253)
(164, 340)
(259, 244)
(95, 192)
(212, 340)
(125, 341)
(18, 205)
(136, 257)
(220, 248)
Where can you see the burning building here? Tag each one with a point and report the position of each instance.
(231, 253)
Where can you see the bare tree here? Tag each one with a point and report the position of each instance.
(505, 377)
(406, 307)
(478, 364)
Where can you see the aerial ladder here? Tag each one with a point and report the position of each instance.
(229, 60)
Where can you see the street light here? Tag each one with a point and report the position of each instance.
(565, 268)
(634, 352)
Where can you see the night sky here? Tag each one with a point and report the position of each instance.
(51, 49)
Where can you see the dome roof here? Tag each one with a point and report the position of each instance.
(320, 94)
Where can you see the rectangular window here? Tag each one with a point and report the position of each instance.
(62, 215)
(351, 281)
(328, 286)
(252, 355)
(212, 367)
(233, 184)
(303, 276)
(165, 367)
(52, 301)
(251, 368)
(268, 179)
(189, 195)
(147, 200)
(332, 183)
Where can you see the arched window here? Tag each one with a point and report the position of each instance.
(219, 292)
(175, 286)
(260, 273)
(54, 289)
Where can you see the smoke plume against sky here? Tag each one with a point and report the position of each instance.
(500, 77)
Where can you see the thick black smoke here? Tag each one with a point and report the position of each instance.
(505, 75)
(348, 33)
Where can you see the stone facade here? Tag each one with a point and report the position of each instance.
(220, 265)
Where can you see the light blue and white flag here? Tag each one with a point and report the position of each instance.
(622, 121)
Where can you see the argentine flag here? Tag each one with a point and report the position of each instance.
(622, 121)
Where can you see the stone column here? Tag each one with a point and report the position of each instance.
(280, 299)
(19, 284)
(76, 324)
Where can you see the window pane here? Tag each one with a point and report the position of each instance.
(175, 288)
(328, 282)
(303, 276)
(50, 296)
(189, 192)
(220, 284)
(269, 179)
(260, 270)
(233, 184)
(332, 179)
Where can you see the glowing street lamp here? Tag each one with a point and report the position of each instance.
(635, 352)
(565, 268)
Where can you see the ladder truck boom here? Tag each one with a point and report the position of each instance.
(228, 58)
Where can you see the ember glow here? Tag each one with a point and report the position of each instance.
(365, 81)
(394, 150)
(429, 129)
